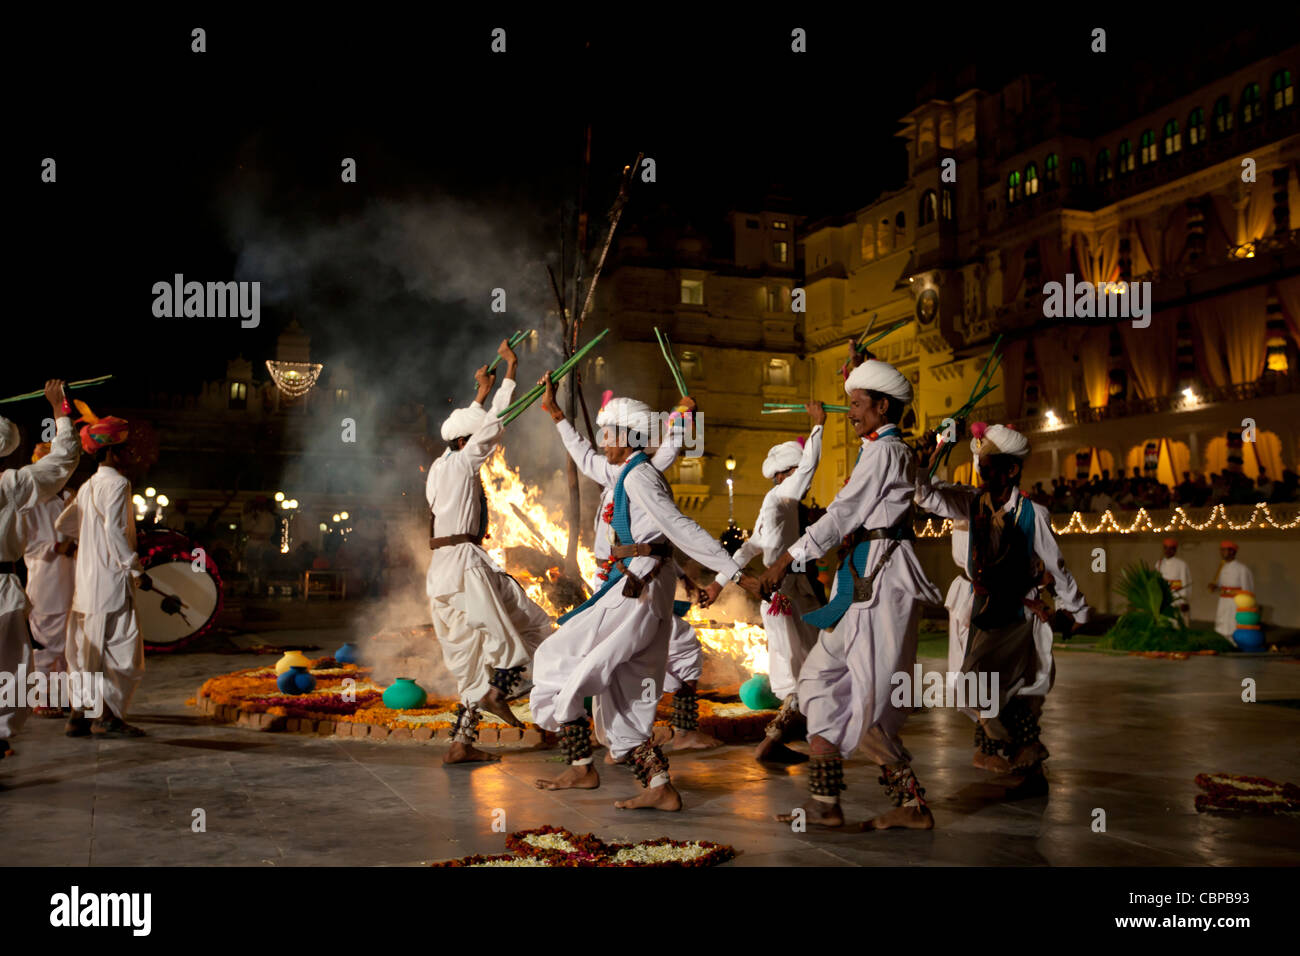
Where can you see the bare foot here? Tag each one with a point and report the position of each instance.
(609, 758)
(653, 798)
(465, 753)
(660, 734)
(495, 705)
(771, 750)
(818, 813)
(1029, 756)
(693, 740)
(909, 817)
(575, 777)
(996, 763)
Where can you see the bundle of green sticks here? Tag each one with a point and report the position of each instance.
(520, 405)
(786, 408)
(84, 383)
(980, 389)
(666, 348)
(515, 339)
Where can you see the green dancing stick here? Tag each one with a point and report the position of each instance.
(518, 407)
(666, 349)
(865, 342)
(515, 339)
(794, 411)
(84, 383)
(799, 406)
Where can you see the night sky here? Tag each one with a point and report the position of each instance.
(170, 161)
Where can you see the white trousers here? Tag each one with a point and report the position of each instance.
(489, 623)
(109, 644)
(789, 637)
(616, 653)
(685, 656)
(51, 631)
(845, 683)
(15, 652)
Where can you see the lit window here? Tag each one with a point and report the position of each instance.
(1196, 127)
(778, 372)
(342, 395)
(1104, 171)
(1173, 138)
(1148, 147)
(774, 300)
(598, 372)
(691, 364)
(690, 471)
(1251, 108)
(946, 205)
(868, 242)
(1052, 170)
(1031, 179)
(1013, 187)
(1283, 91)
(238, 395)
(692, 292)
(781, 251)
(1222, 116)
(1078, 172)
(1125, 156)
(900, 224)
(780, 224)
(884, 238)
(929, 208)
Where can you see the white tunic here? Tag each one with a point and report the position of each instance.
(616, 650)
(483, 618)
(789, 636)
(1234, 576)
(955, 501)
(845, 683)
(1179, 575)
(50, 580)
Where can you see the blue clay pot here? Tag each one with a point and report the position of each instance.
(346, 654)
(756, 693)
(296, 680)
(405, 694)
(1249, 639)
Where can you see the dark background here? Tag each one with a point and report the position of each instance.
(162, 152)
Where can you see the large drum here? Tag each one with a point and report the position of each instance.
(185, 596)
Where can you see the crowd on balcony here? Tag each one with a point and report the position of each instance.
(1130, 492)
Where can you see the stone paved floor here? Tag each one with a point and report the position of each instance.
(1127, 735)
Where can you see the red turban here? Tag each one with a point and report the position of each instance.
(99, 432)
(1171, 542)
(1228, 544)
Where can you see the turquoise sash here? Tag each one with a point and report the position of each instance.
(622, 527)
(827, 617)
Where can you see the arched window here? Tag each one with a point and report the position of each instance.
(868, 242)
(1013, 187)
(1078, 172)
(1251, 108)
(1173, 138)
(884, 238)
(1125, 156)
(1283, 91)
(1196, 127)
(1031, 179)
(929, 210)
(1222, 116)
(778, 372)
(1051, 170)
(946, 205)
(1148, 147)
(1104, 171)
(900, 226)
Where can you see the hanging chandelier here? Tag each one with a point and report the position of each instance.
(294, 379)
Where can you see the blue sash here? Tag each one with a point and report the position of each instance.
(681, 607)
(622, 527)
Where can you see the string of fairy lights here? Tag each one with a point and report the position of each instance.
(1143, 522)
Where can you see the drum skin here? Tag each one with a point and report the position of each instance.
(169, 559)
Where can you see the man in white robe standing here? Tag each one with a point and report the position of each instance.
(103, 631)
(51, 575)
(790, 467)
(614, 648)
(486, 625)
(869, 628)
(1233, 578)
(21, 489)
(1012, 552)
(1175, 570)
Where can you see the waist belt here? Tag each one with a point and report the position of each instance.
(8, 567)
(851, 586)
(448, 540)
(658, 549)
(897, 532)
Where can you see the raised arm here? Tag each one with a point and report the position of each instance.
(797, 485)
(671, 447)
(649, 491)
(487, 436)
(42, 480)
(943, 498)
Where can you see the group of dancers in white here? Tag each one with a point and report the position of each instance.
(832, 666)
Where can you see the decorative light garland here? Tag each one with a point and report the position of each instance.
(294, 378)
(1143, 522)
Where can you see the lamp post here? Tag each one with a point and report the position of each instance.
(733, 537)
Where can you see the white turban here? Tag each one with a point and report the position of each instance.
(626, 413)
(998, 440)
(788, 454)
(463, 421)
(8, 437)
(876, 376)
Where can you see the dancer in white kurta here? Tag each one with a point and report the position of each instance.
(790, 467)
(51, 574)
(103, 632)
(1175, 570)
(1233, 578)
(685, 654)
(614, 648)
(958, 602)
(21, 489)
(486, 625)
(1012, 552)
(870, 625)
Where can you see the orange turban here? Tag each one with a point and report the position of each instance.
(100, 432)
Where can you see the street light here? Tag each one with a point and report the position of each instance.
(164, 500)
(279, 496)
